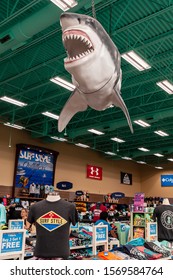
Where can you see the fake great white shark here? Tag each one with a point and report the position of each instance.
(94, 63)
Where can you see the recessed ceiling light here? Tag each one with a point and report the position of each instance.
(58, 138)
(117, 140)
(110, 153)
(50, 115)
(82, 145)
(64, 4)
(14, 125)
(141, 162)
(61, 82)
(142, 123)
(161, 133)
(143, 149)
(158, 167)
(166, 86)
(13, 101)
(170, 159)
(96, 131)
(127, 158)
(158, 155)
(134, 59)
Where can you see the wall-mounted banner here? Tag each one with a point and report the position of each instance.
(139, 199)
(117, 195)
(94, 172)
(34, 165)
(167, 180)
(126, 178)
(64, 185)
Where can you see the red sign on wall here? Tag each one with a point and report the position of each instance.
(94, 172)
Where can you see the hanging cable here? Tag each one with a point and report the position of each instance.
(93, 9)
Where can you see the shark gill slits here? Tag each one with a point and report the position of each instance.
(77, 46)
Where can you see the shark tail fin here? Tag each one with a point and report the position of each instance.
(118, 102)
(76, 103)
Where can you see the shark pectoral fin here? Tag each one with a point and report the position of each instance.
(74, 104)
(118, 102)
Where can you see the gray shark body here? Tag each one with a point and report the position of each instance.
(94, 63)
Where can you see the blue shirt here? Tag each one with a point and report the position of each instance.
(103, 222)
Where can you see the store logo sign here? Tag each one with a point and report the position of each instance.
(51, 221)
(126, 178)
(116, 195)
(94, 172)
(64, 185)
(167, 180)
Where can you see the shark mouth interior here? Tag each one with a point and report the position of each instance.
(77, 44)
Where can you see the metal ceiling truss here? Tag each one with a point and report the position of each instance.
(31, 58)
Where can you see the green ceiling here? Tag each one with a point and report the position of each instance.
(35, 53)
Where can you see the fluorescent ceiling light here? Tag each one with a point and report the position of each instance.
(63, 83)
(170, 159)
(136, 60)
(142, 123)
(50, 115)
(161, 133)
(166, 86)
(117, 140)
(141, 162)
(158, 155)
(127, 158)
(13, 101)
(143, 149)
(95, 131)
(110, 153)
(14, 125)
(158, 167)
(58, 138)
(64, 4)
(82, 145)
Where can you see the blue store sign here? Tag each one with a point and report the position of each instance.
(153, 229)
(101, 234)
(16, 224)
(167, 180)
(12, 242)
(116, 195)
(64, 185)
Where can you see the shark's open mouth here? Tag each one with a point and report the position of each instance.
(77, 44)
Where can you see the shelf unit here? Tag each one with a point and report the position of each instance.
(138, 224)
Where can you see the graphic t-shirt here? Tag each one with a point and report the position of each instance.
(15, 212)
(154, 247)
(97, 210)
(164, 216)
(52, 226)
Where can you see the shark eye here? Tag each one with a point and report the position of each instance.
(79, 20)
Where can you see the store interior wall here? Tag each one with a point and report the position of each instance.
(151, 182)
(70, 166)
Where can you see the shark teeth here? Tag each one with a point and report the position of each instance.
(77, 46)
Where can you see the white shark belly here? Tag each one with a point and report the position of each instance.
(99, 100)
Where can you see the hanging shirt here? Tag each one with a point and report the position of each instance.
(164, 216)
(97, 210)
(2, 215)
(52, 220)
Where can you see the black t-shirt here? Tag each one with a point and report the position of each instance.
(164, 216)
(15, 212)
(52, 220)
